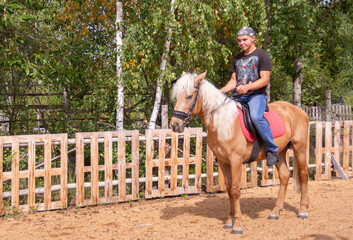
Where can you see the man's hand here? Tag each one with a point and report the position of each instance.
(242, 89)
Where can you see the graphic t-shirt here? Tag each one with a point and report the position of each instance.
(247, 68)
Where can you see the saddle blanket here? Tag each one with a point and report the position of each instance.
(278, 128)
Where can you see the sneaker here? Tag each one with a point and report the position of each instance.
(272, 158)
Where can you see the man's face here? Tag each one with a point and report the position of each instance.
(245, 42)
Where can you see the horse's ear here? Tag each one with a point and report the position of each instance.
(199, 78)
(183, 73)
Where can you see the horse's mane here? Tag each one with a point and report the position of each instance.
(223, 112)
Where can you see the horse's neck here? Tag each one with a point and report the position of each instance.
(219, 121)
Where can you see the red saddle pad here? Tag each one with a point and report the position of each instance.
(278, 128)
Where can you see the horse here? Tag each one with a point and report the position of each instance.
(194, 95)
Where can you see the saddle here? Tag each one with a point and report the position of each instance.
(278, 128)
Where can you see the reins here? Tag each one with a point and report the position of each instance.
(186, 116)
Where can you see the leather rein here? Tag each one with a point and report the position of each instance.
(186, 117)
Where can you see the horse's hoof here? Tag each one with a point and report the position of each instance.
(303, 215)
(227, 226)
(237, 231)
(273, 216)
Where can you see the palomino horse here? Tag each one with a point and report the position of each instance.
(195, 96)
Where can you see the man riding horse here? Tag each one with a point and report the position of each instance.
(251, 71)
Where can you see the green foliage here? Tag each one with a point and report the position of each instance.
(69, 46)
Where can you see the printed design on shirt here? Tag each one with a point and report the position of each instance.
(247, 70)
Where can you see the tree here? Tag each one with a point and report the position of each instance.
(157, 101)
(120, 85)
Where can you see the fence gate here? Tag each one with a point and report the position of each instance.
(30, 172)
(173, 164)
(104, 173)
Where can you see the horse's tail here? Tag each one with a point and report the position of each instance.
(297, 184)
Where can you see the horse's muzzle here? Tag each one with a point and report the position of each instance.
(176, 125)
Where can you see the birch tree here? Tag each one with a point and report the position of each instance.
(120, 87)
(157, 101)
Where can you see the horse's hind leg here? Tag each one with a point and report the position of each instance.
(284, 175)
(302, 179)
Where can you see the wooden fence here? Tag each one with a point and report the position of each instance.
(336, 113)
(122, 166)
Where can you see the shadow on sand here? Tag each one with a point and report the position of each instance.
(215, 206)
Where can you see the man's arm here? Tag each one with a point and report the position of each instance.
(230, 85)
(261, 82)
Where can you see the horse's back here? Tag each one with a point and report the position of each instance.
(296, 120)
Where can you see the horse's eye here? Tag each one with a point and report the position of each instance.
(189, 97)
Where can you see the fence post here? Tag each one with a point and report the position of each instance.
(164, 116)
(328, 105)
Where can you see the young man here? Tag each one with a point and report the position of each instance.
(251, 71)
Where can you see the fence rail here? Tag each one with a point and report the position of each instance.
(122, 166)
(336, 113)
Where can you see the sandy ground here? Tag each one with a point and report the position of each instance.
(197, 217)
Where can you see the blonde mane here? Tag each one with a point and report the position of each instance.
(213, 104)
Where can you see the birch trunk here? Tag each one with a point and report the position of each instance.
(157, 101)
(120, 87)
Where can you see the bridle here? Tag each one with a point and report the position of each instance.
(186, 117)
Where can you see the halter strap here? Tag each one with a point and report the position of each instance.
(186, 116)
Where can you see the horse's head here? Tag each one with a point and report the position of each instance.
(187, 100)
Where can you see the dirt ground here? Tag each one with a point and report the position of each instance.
(197, 217)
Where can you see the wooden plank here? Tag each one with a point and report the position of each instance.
(186, 162)
(135, 164)
(174, 162)
(94, 170)
(108, 161)
(338, 167)
(15, 182)
(47, 172)
(345, 164)
(328, 144)
(164, 116)
(122, 166)
(80, 190)
(63, 176)
(336, 143)
(198, 159)
(318, 151)
(1, 173)
(161, 160)
(31, 170)
(148, 164)
(209, 170)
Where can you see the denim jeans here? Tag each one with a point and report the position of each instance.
(257, 107)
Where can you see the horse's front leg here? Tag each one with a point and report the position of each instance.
(232, 175)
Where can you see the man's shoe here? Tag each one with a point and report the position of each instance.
(272, 158)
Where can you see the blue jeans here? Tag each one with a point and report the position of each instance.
(257, 107)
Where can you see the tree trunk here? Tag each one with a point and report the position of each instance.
(297, 91)
(267, 41)
(157, 101)
(297, 82)
(120, 86)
